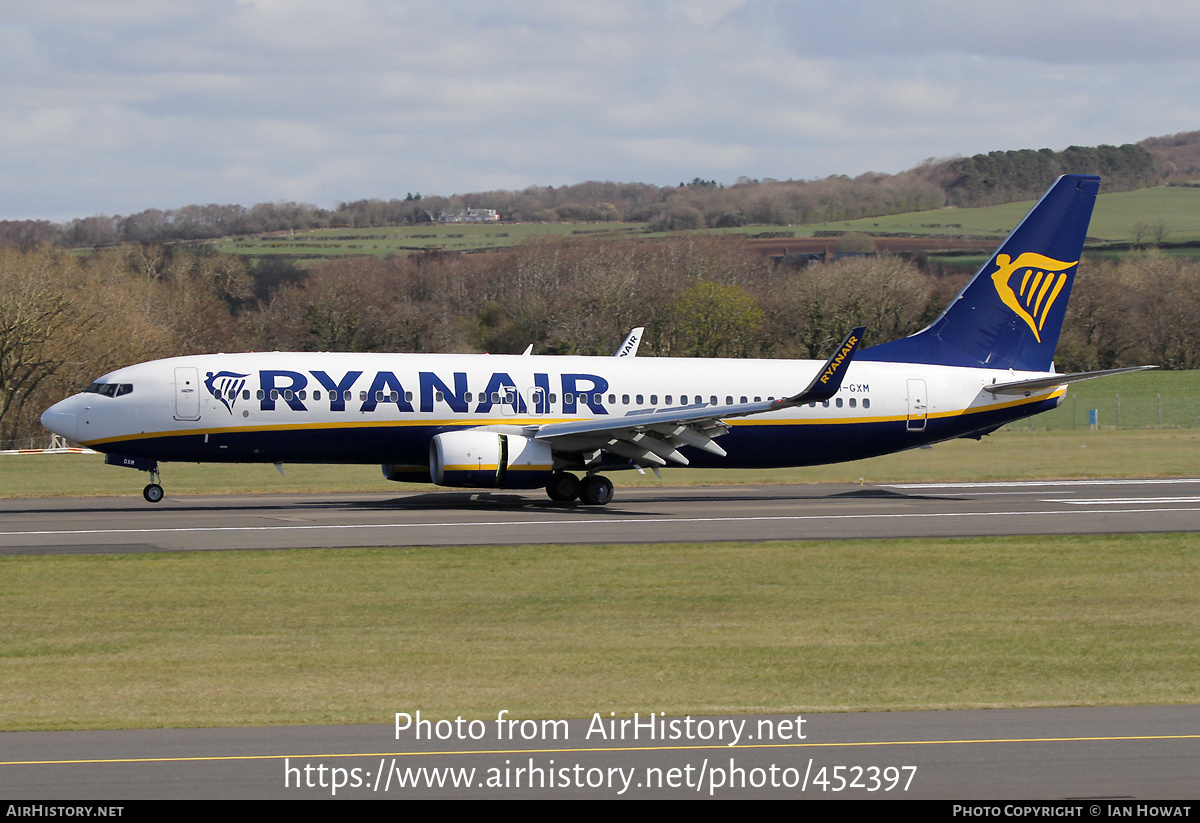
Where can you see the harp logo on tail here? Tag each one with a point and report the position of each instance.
(1042, 278)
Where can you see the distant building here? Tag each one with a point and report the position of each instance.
(470, 216)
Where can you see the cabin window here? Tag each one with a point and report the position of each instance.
(713, 400)
(728, 400)
(654, 400)
(744, 400)
(866, 402)
(260, 394)
(495, 397)
(468, 397)
(439, 396)
(408, 397)
(825, 403)
(316, 394)
(757, 399)
(394, 397)
(568, 398)
(274, 394)
(813, 404)
(553, 398)
(598, 398)
(362, 395)
(624, 399)
(612, 399)
(667, 399)
(245, 394)
(839, 402)
(853, 403)
(641, 401)
(303, 395)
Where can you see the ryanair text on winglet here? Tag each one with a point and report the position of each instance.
(840, 358)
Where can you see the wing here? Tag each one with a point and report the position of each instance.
(653, 437)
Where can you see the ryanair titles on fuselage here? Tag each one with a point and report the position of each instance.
(290, 388)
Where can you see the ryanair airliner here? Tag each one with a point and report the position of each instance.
(562, 423)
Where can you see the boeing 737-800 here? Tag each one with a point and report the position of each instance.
(526, 421)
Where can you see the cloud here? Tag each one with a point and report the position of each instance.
(137, 104)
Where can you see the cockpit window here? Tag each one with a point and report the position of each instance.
(109, 389)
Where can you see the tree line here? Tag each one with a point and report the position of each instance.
(67, 318)
(983, 179)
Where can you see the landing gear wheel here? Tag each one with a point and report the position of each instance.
(563, 486)
(596, 490)
(153, 493)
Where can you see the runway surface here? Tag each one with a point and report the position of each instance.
(1101, 757)
(1112, 753)
(642, 515)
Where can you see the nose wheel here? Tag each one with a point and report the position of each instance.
(154, 490)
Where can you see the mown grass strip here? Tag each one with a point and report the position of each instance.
(1004, 455)
(342, 636)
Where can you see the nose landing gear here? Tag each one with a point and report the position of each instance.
(154, 490)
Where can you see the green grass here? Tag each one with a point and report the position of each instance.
(348, 636)
(1112, 221)
(381, 242)
(1014, 454)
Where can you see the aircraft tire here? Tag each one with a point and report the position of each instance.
(563, 486)
(596, 490)
(153, 493)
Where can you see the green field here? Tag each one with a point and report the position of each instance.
(1112, 221)
(350, 636)
(381, 242)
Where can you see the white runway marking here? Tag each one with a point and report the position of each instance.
(1033, 484)
(1125, 501)
(585, 522)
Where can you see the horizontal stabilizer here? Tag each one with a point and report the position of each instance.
(1039, 383)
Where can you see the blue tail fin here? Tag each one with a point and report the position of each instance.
(1010, 314)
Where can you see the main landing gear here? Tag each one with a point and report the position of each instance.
(593, 490)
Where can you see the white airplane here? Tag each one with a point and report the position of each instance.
(529, 421)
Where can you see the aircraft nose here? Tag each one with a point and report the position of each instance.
(61, 419)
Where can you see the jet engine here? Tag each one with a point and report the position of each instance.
(489, 460)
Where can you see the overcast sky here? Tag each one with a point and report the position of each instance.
(118, 106)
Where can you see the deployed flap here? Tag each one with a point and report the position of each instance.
(1026, 386)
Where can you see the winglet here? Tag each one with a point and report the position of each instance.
(829, 379)
(630, 346)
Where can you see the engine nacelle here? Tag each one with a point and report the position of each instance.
(489, 460)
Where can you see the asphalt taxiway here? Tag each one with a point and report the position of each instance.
(638, 515)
